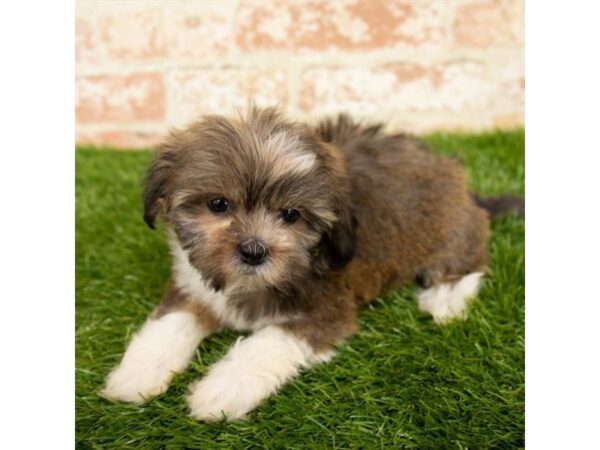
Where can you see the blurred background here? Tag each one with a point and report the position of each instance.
(143, 67)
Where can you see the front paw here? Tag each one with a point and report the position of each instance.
(215, 398)
(136, 384)
(162, 348)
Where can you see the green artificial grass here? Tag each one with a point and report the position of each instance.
(402, 382)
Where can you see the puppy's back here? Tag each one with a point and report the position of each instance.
(412, 207)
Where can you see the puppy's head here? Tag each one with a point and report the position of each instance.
(255, 201)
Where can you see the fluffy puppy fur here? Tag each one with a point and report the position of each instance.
(285, 230)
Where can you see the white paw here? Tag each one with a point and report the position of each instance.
(162, 348)
(136, 384)
(253, 370)
(448, 301)
(215, 397)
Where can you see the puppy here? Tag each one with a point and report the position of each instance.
(285, 231)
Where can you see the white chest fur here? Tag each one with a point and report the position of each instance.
(190, 281)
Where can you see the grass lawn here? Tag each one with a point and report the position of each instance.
(403, 382)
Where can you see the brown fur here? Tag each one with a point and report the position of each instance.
(174, 299)
(378, 211)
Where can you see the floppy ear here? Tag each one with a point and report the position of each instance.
(338, 245)
(157, 181)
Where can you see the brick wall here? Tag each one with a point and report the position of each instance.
(145, 66)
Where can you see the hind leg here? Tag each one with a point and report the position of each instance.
(447, 300)
(452, 275)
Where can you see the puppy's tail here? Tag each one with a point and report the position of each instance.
(501, 205)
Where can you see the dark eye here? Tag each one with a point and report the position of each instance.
(290, 215)
(218, 205)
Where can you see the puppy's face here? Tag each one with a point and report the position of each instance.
(256, 202)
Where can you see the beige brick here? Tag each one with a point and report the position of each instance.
(199, 30)
(510, 72)
(84, 39)
(391, 88)
(129, 32)
(481, 24)
(509, 121)
(120, 98)
(339, 25)
(120, 139)
(194, 93)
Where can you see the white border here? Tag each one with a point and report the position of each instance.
(37, 225)
(563, 225)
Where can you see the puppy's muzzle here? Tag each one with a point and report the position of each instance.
(253, 252)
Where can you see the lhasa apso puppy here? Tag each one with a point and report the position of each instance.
(285, 231)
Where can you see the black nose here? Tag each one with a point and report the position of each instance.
(253, 252)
